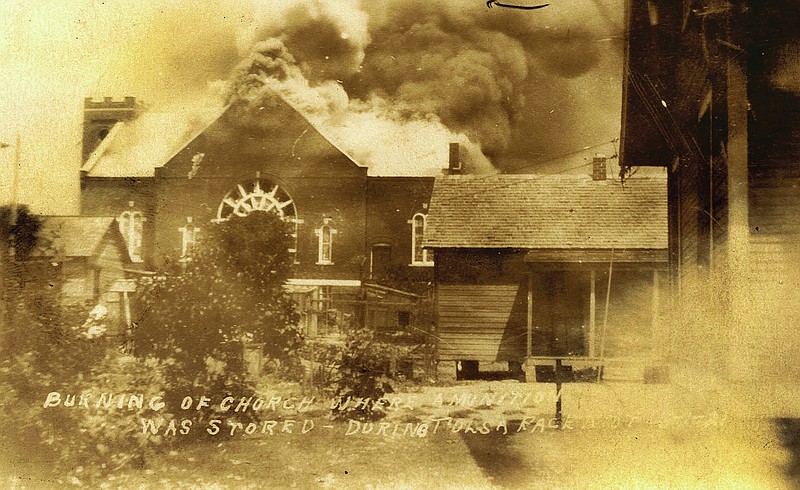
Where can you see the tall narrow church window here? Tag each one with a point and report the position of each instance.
(130, 226)
(419, 255)
(325, 234)
(189, 234)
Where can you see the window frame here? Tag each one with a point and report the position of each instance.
(427, 255)
(325, 231)
(134, 241)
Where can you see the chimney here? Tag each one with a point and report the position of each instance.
(599, 167)
(454, 164)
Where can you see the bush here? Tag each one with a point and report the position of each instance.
(357, 367)
(201, 313)
(84, 441)
(363, 372)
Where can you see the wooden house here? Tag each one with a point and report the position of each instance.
(93, 262)
(525, 265)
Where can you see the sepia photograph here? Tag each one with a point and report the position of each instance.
(400, 244)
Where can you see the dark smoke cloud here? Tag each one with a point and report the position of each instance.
(373, 131)
(521, 85)
(327, 37)
(469, 66)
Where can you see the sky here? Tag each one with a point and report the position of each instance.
(525, 88)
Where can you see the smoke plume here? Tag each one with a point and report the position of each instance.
(373, 131)
(387, 74)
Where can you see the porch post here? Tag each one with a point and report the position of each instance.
(592, 311)
(530, 313)
(126, 306)
(654, 337)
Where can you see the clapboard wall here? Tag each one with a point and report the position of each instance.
(481, 305)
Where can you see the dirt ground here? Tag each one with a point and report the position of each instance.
(504, 434)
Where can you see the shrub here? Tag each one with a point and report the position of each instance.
(84, 441)
(358, 367)
(200, 313)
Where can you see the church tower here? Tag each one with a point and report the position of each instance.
(100, 117)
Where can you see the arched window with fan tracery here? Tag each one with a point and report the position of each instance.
(260, 195)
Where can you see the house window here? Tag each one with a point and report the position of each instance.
(325, 233)
(130, 226)
(419, 255)
(189, 234)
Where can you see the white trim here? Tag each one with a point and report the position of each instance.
(320, 232)
(324, 282)
(129, 233)
(425, 262)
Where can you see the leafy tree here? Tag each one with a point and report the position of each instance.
(198, 314)
(32, 318)
(50, 347)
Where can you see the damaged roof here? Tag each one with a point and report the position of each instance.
(137, 147)
(547, 212)
(73, 236)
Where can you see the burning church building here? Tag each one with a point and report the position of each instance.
(351, 230)
(361, 225)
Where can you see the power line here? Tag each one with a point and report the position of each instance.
(558, 157)
(512, 182)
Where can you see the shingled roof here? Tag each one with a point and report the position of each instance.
(547, 212)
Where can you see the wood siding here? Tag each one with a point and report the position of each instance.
(774, 220)
(482, 322)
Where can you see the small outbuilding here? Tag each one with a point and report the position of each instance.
(538, 269)
(94, 265)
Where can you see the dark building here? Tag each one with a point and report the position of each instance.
(712, 93)
(166, 177)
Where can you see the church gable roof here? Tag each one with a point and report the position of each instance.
(272, 128)
(267, 134)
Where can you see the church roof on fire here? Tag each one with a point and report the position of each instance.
(547, 212)
(135, 148)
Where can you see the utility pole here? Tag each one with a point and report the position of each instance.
(15, 182)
